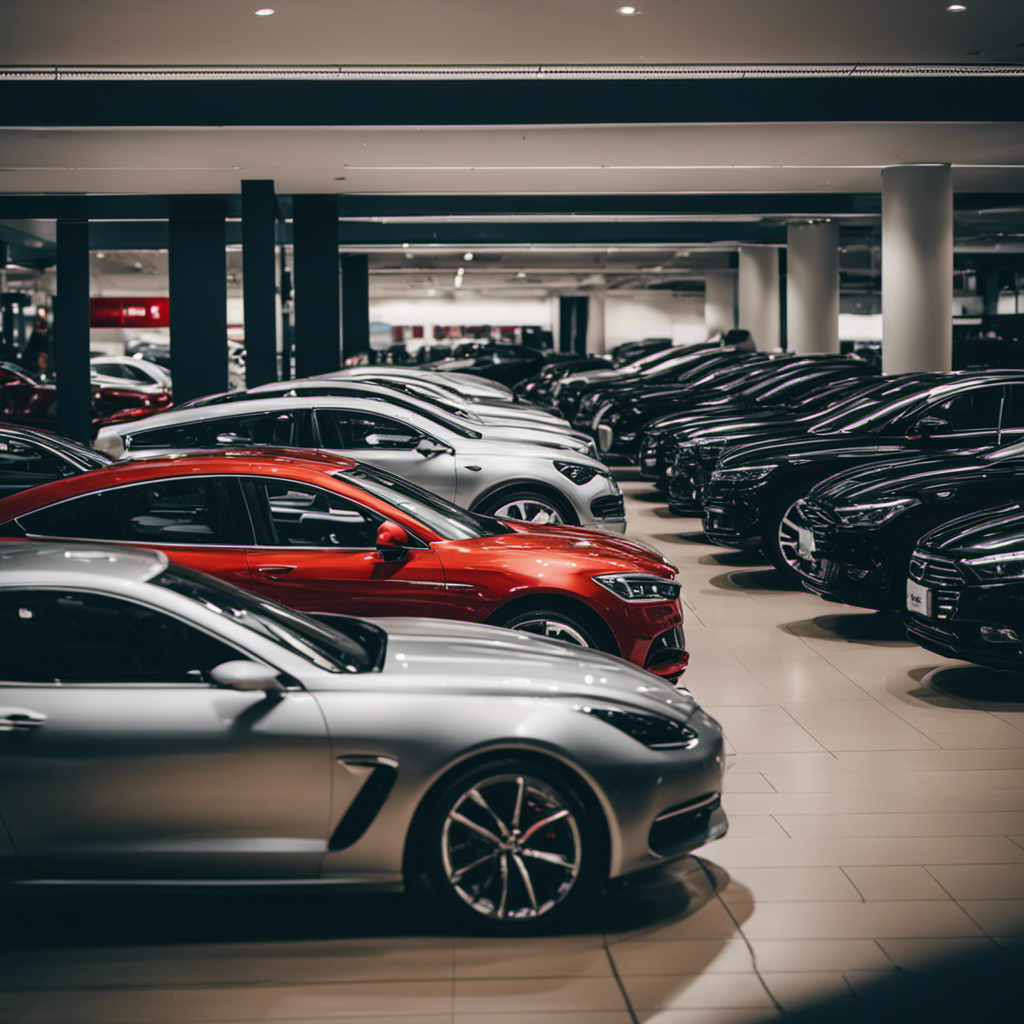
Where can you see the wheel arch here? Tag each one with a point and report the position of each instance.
(557, 602)
(507, 487)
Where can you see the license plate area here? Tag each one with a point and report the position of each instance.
(919, 599)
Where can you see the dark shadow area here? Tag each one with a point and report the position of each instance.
(680, 538)
(973, 686)
(625, 471)
(853, 627)
(756, 579)
(744, 557)
(651, 497)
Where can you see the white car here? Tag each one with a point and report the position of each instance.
(140, 371)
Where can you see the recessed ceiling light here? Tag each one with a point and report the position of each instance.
(468, 257)
(408, 255)
(431, 292)
(626, 12)
(520, 274)
(405, 245)
(956, 8)
(264, 12)
(101, 255)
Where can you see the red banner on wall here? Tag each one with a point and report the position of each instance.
(137, 311)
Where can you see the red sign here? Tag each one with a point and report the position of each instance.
(134, 312)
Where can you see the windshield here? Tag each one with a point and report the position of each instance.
(434, 395)
(875, 408)
(442, 517)
(326, 648)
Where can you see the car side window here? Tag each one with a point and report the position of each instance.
(971, 412)
(89, 516)
(24, 465)
(190, 510)
(348, 430)
(1013, 414)
(299, 515)
(67, 636)
(181, 435)
(276, 428)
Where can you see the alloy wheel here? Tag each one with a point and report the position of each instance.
(530, 510)
(788, 539)
(553, 629)
(511, 848)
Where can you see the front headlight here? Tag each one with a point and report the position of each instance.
(876, 513)
(639, 586)
(744, 475)
(577, 472)
(992, 568)
(654, 731)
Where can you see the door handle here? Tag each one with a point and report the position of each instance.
(19, 720)
(274, 570)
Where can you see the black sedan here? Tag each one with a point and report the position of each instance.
(631, 351)
(965, 592)
(751, 493)
(853, 535)
(540, 386)
(29, 457)
(507, 364)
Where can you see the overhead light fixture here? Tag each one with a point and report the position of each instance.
(468, 257)
(408, 255)
(626, 12)
(405, 245)
(264, 12)
(956, 8)
(101, 255)
(521, 274)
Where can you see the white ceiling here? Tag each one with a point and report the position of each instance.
(112, 32)
(819, 157)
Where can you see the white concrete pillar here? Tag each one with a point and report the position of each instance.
(595, 324)
(917, 268)
(719, 302)
(759, 295)
(812, 288)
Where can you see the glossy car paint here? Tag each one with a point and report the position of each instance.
(31, 457)
(477, 389)
(188, 781)
(130, 368)
(470, 471)
(479, 579)
(972, 617)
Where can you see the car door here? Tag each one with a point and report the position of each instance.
(1011, 427)
(391, 444)
(971, 419)
(118, 759)
(317, 552)
(198, 521)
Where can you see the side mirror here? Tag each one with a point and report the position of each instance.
(231, 440)
(246, 676)
(428, 446)
(392, 540)
(927, 426)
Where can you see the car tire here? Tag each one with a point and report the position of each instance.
(528, 506)
(774, 534)
(554, 624)
(488, 874)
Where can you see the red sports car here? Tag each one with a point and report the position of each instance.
(329, 535)
(30, 403)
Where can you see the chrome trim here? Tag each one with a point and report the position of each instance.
(689, 808)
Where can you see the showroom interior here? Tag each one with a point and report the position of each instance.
(511, 512)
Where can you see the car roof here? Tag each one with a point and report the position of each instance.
(49, 563)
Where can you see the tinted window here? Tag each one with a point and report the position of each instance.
(1013, 411)
(340, 428)
(972, 411)
(56, 636)
(25, 465)
(192, 510)
(91, 517)
(258, 428)
(299, 515)
(182, 435)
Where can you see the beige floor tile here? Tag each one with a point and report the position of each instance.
(858, 725)
(1003, 918)
(849, 920)
(797, 989)
(763, 730)
(696, 991)
(746, 1015)
(937, 781)
(805, 955)
(924, 953)
(746, 782)
(561, 957)
(542, 995)
(806, 826)
(873, 802)
(787, 884)
(903, 882)
(980, 881)
(682, 956)
(544, 1017)
(711, 921)
(748, 826)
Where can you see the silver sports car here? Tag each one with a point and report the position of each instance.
(496, 471)
(156, 724)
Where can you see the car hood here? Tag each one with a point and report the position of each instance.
(466, 658)
(810, 449)
(512, 414)
(990, 532)
(570, 441)
(933, 477)
(471, 450)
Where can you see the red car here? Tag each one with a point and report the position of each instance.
(29, 403)
(324, 534)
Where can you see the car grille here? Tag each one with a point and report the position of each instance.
(942, 577)
(664, 641)
(681, 827)
(608, 506)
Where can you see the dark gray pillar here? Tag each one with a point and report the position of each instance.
(355, 305)
(573, 314)
(317, 309)
(199, 305)
(259, 217)
(71, 340)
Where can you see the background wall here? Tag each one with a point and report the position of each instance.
(658, 315)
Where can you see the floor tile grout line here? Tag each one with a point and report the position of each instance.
(779, 823)
(809, 733)
(863, 898)
(618, 979)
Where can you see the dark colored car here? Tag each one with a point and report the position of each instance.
(853, 535)
(540, 387)
(750, 496)
(33, 403)
(30, 457)
(965, 592)
(620, 423)
(507, 364)
(631, 351)
(689, 460)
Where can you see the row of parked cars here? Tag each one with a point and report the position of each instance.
(377, 628)
(902, 493)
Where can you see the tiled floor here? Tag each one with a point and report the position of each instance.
(876, 795)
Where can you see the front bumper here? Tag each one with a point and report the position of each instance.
(724, 528)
